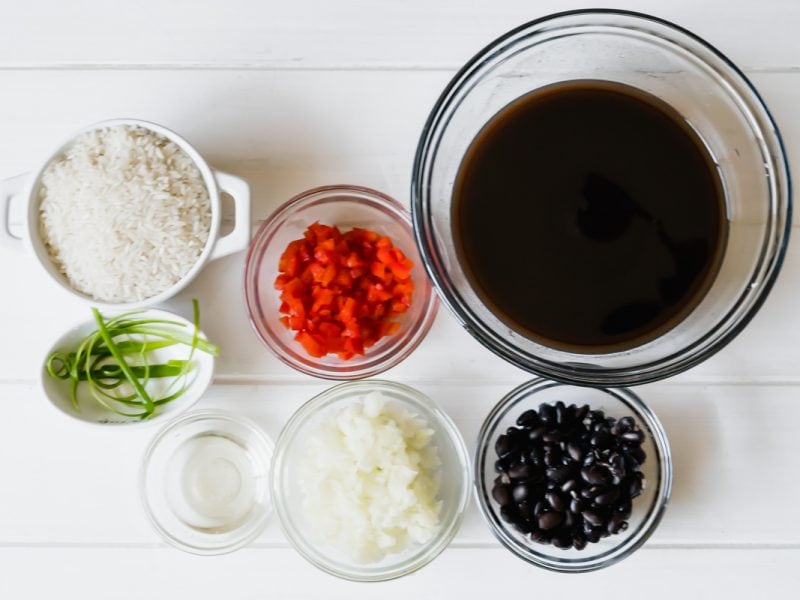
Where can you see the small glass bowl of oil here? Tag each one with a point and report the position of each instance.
(204, 482)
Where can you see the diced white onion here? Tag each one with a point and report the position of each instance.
(370, 480)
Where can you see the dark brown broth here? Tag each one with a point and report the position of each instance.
(589, 216)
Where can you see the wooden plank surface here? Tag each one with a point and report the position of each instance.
(353, 33)
(293, 95)
(266, 573)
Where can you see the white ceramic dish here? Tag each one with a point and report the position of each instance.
(57, 390)
(25, 188)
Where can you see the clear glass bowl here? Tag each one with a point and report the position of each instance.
(648, 508)
(291, 449)
(346, 207)
(203, 482)
(687, 73)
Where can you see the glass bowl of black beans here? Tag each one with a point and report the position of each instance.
(572, 478)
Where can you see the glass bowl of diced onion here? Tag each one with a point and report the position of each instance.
(376, 521)
(346, 207)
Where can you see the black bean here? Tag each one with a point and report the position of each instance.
(553, 436)
(569, 485)
(608, 497)
(547, 414)
(503, 445)
(536, 433)
(506, 514)
(521, 472)
(501, 478)
(617, 474)
(558, 475)
(579, 541)
(577, 505)
(561, 413)
(596, 490)
(592, 518)
(575, 451)
(534, 456)
(556, 500)
(602, 440)
(537, 535)
(563, 541)
(595, 475)
(501, 493)
(524, 509)
(633, 437)
(552, 459)
(624, 509)
(593, 535)
(616, 524)
(626, 423)
(528, 419)
(569, 520)
(638, 455)
(523, 526)
(549, 520)
(581, 413)
(596, 416)
(520, 492)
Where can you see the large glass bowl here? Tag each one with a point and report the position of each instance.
(345, 206)
(703, 86)
(291, 452)
(648, 508)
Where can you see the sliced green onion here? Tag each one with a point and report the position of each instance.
(118, 356)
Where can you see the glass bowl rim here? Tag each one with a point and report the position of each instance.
(411, 338)
(352, 390)
(655, 511)
(773, 251)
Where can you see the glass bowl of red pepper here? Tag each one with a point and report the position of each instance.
(335, 286)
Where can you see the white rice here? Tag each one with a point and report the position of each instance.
(124, 213)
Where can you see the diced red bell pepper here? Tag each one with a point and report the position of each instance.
(341, 293)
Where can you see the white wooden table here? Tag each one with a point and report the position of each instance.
(295, 94)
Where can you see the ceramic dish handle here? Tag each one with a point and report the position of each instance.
(10, 189)
(237, 239)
